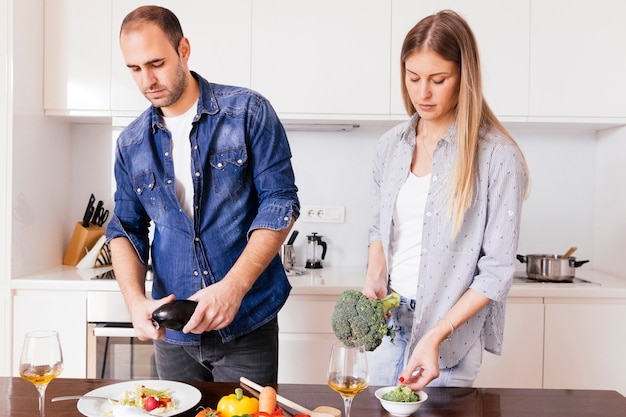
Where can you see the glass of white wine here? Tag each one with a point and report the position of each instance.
(41, 361)
(347, 372)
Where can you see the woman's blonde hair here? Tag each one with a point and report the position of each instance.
(449, 35)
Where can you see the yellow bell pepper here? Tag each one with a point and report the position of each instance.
(237, 404)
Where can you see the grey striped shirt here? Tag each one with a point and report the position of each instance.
(481, 256)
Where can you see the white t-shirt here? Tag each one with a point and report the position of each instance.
(406, 246)
(180, 128)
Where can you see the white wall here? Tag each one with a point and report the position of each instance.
(609, 233)
(335, 169)
(93, 173)
(559, 211)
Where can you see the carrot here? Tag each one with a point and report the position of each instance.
(267, 400)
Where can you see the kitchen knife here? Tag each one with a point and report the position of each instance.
(89, 211)
(96, 213)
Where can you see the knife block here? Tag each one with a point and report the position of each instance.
(81, 242)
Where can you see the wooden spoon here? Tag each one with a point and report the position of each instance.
(569, 252)
(284, 401)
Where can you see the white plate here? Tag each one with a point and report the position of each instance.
(185, 396)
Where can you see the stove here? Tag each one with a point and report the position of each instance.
(520, 277)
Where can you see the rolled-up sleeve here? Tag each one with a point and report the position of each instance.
(272, 171)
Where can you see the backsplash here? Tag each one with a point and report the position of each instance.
(334, 168)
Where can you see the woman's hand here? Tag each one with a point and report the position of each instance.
(375, 289)
(423, 364)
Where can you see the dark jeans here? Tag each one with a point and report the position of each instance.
(254, 355)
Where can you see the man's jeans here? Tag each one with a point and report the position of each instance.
(254, 355)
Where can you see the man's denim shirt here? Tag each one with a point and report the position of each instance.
(243, 180)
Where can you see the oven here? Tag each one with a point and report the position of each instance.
(113, 351)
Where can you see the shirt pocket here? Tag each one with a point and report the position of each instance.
(149, 194)
(228, 168)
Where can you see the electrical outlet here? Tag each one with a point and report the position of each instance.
(323, 214)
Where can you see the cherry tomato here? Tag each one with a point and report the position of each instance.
(150, 404)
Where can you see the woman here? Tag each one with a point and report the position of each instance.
(448, 187)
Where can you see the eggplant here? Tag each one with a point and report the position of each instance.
(174, 315)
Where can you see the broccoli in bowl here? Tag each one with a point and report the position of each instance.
(401, 394)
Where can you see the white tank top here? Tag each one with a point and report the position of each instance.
(406, 244)
(180, 128)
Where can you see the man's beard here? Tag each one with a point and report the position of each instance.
(174, 93)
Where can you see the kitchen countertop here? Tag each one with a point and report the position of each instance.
(21, 399)
(330, 281)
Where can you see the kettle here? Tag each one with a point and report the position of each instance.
(315, 252)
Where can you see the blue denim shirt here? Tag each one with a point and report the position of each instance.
(481, 256)
(243, 180)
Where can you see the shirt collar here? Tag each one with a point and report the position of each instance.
(207, 103)
(409, 131)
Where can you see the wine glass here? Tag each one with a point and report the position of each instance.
(41, 361)
(347, 372)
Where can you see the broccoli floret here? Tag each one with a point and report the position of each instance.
(358, 320)
(402, 394)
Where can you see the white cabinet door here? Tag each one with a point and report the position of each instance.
(77, 56)
(521, 362)
(322, 59)
(305, 338)
(585, 344)
(502, 34)
(219, 33)
(65, 312)
(577, 62)
(5, 332)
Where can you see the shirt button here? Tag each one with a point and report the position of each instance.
(239, 161)
(205, 272)
(195, 273)
(286, 218)
(196, 239)
(151, 186)
(167, 154)
(169, 181)
(197, 174)
(138, 190)
(219, 165)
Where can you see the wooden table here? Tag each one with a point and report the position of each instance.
(19, 399)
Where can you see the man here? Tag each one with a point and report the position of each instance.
(210, 166)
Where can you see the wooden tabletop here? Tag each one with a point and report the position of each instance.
(19, 399)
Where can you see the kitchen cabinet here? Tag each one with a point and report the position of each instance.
(521, 363)
(577, 59)
(306, 332)
(503, 44)
(77, 47)
(585, 344)
(63, 311)
(322, 59)
(305, 338)
(219, 33)
(5, 332)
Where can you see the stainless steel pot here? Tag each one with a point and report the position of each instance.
(550, 267)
